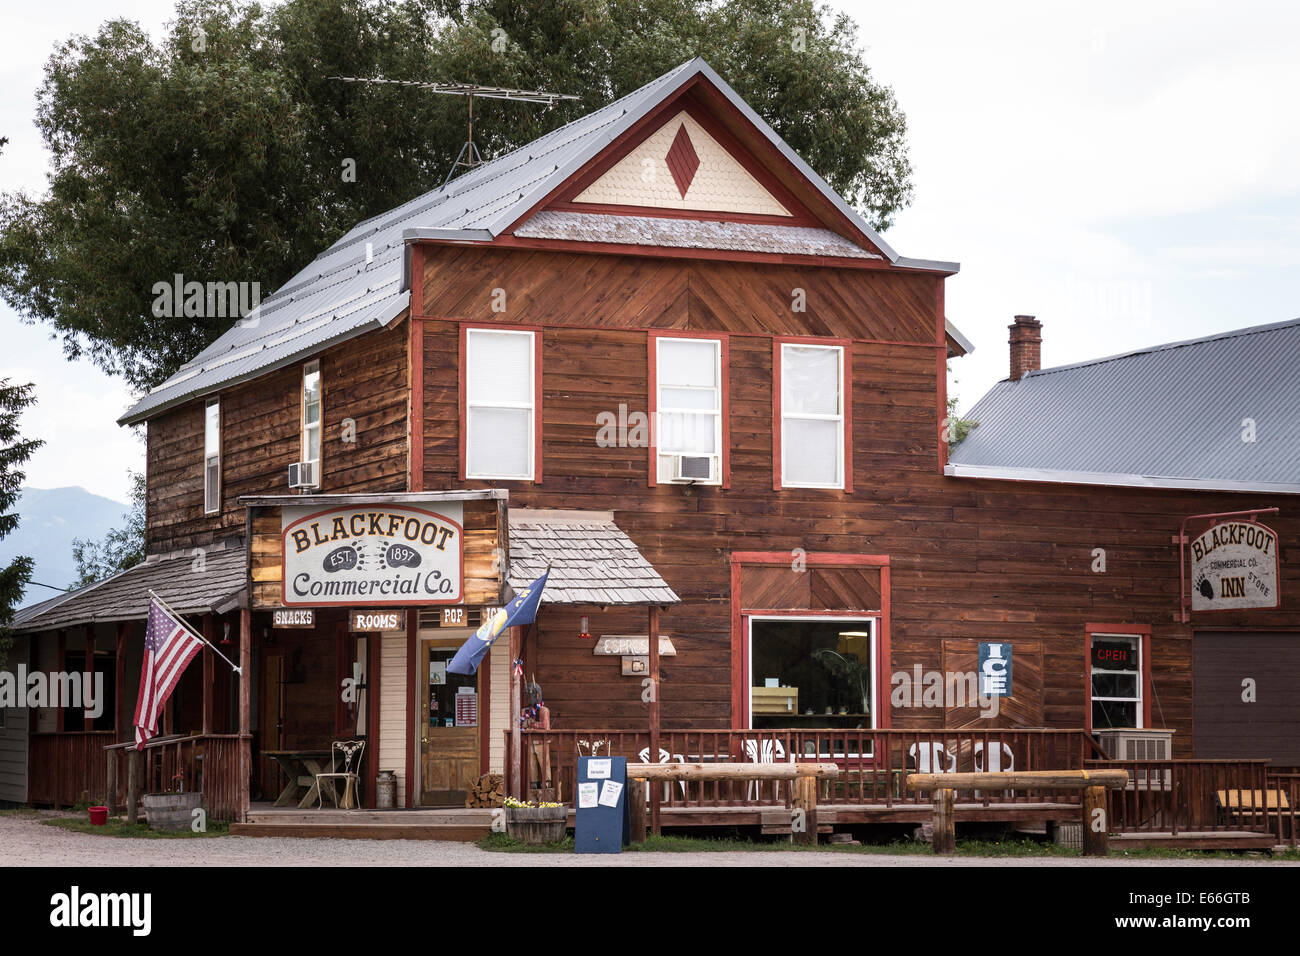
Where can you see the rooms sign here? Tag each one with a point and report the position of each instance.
(384, 555)
(1234, 565)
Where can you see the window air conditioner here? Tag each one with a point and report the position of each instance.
(1129, 743)
(302, 474)
(692, 468)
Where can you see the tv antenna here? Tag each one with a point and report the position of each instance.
(469, 156)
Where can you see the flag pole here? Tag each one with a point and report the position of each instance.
(176, 616)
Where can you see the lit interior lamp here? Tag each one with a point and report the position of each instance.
(586, 633)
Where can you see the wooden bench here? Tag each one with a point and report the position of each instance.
(1243, 805)
(1092, 783)
(804, 776)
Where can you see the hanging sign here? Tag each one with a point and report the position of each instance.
(371, 556)
(1234, 566)
(366, 622)
(995, 670)
(284, 618)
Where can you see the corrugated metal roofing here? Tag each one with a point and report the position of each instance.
(1170, 413)
(214, 585)
(340, 295)
(592, 560)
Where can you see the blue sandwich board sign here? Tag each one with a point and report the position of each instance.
(602, 824)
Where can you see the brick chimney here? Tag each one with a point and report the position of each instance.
(1026, 346)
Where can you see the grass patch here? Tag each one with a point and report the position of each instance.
(1011, 847)
(118, 827)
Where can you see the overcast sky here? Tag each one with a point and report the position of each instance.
(1125, 171)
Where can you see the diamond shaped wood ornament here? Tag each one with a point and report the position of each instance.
(682, 160)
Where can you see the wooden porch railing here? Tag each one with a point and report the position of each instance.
(1184, 796)
(207, 762)
(65, 769)
(1285, 787)
(872, 762)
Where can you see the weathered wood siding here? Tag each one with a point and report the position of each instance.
(364, 381)
(13, 736)
(970, 560)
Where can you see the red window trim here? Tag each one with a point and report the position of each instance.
(1143, 634)
(813, 559)
(847, 385)
(463, 389)
(652, 382)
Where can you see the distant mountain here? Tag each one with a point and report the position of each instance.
(51, 518)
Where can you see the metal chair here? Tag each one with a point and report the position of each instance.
(350, 751)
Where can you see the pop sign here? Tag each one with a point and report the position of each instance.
(381, 555)
(1234, 565)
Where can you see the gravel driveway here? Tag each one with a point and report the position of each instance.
(25, 841)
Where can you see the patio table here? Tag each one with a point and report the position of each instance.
(301, 767)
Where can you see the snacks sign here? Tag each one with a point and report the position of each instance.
(383, 555)
(1234, 566)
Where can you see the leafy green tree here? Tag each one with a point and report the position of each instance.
(119, 549)
(221, 151)
(14, 451)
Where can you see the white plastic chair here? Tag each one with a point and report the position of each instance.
(767, 750)
(664, 757)
(1001, 759)
(932, 757)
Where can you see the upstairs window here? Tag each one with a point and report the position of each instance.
(689, 419)
(212, 456)
(500, 394)
(311, 421)
(811, 420)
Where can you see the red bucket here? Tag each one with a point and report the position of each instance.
(98, 816)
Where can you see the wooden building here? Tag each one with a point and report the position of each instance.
(655, 349)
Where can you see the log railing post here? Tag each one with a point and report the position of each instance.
(944, 841)
(1095, 824)
(636, 796)
(805, 802)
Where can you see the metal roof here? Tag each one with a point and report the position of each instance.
(217, 585)
(592, 560)
(1168, 416)
(341, 295)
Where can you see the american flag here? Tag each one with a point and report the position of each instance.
(168, 647)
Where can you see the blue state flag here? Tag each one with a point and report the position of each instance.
(521, 610)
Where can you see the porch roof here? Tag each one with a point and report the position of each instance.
(215, 586)
(592, 559)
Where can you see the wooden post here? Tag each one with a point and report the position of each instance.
(516, 708)
(110, 781)
(805, 800)
(132, 784)
(121, 720)
(245, 723)
(209, 634)
(1095, 823)
(88, 676)
(655, 794)
(636, 790)
(945, 823)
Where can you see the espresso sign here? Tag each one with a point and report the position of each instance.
(1234, 566)
(370, 556)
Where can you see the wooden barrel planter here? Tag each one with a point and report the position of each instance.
(536, 825)
(171, 811)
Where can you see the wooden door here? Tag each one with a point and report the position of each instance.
(1022, 708)
(271, 723)
(449, 732)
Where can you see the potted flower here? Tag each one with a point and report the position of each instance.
(535, 822)
(174, 809)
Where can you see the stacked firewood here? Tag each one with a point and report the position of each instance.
(488, 791)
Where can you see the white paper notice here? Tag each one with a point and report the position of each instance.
(609, 793)
(586, 795)
(599, 769)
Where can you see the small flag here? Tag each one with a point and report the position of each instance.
(169, 646)
(522, 610)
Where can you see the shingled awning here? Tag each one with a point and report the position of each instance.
(214, 585)
(592, 559)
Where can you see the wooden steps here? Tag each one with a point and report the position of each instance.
(1194, 840)
(455, 824)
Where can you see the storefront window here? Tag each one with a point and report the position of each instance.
(1116, 681)
(812, 673)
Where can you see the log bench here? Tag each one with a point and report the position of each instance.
(1092, 783)
(803, 816)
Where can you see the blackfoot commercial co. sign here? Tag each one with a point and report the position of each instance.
(370, 556)
(1234, 565)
